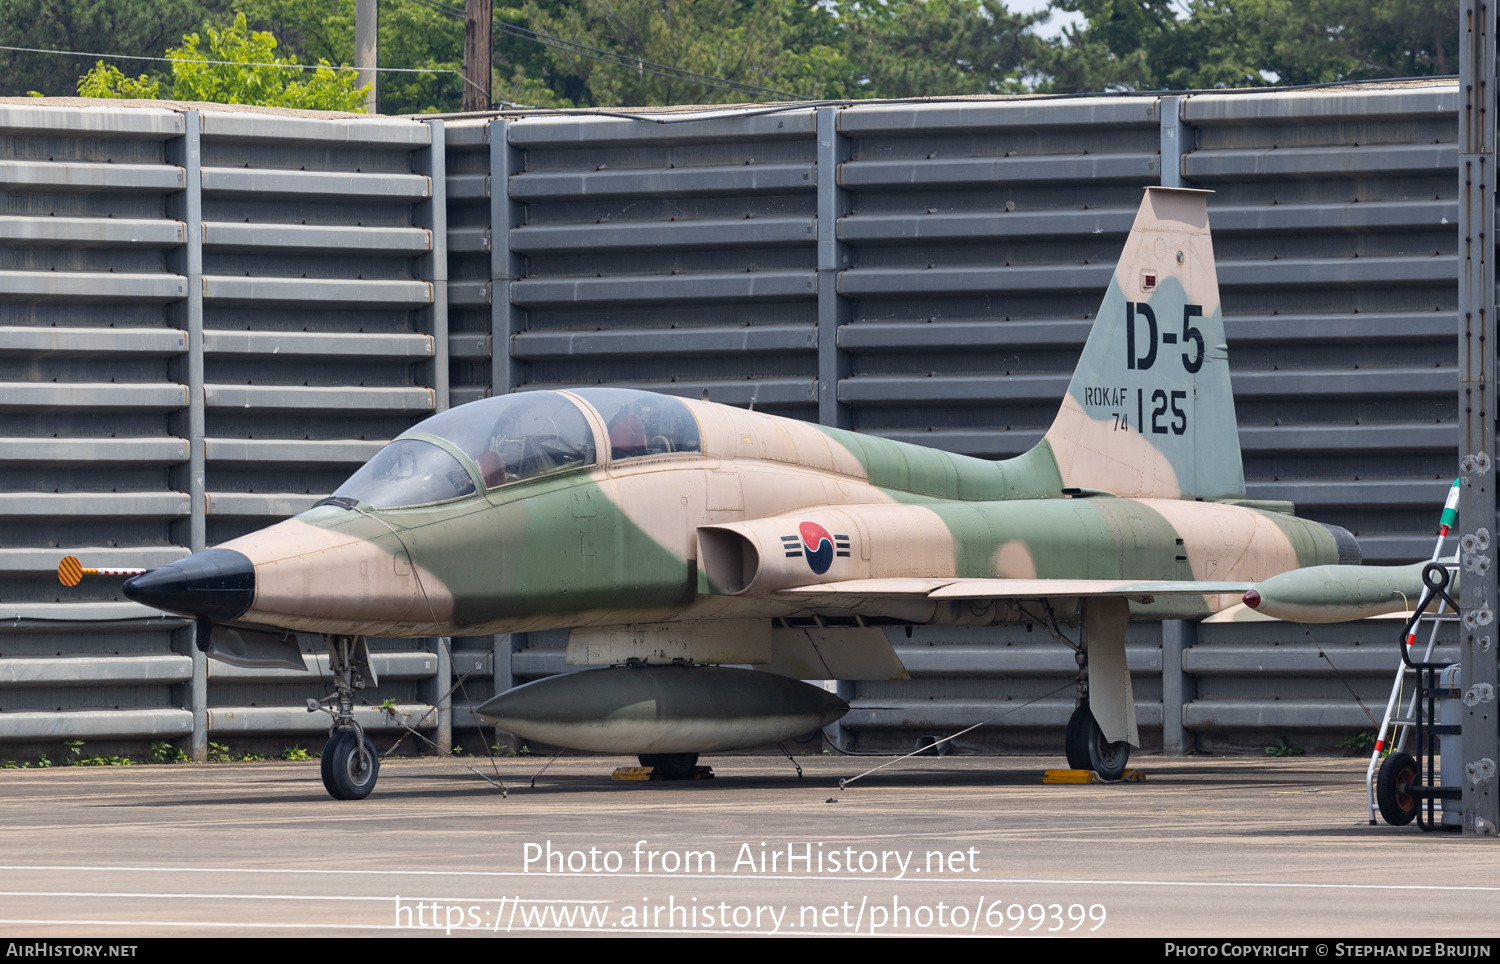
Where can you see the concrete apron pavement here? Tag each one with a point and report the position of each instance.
(1207, 846)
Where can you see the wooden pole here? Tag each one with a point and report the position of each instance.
(477, 54)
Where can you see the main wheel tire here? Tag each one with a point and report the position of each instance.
(348, 773)
(673, 766)
(1393, 789)
(1087, 748)
(326, 761)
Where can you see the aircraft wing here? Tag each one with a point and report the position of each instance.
(1135, 590)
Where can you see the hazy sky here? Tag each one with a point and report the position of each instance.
(1052, 27)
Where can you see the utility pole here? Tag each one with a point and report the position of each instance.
(366, 50)
(477, 54)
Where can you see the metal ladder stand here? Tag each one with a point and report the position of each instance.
(1420, 717)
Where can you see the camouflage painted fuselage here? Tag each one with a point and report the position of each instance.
(619, 543)
(1139, 478)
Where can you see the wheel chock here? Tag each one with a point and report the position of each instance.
(1089, 776)
(653, 773)
(635, 773)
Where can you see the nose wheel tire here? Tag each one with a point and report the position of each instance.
(1393, 789)
(350, 765)
(1087, 748)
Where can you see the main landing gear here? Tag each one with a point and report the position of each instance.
(1086, 747)
(673, 766)
(350, 764)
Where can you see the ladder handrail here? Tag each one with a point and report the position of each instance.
(1435, 580)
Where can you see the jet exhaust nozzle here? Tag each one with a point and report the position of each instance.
(663, 709)
(216, 584)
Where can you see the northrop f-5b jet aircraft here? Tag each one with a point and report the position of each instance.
(681, 541)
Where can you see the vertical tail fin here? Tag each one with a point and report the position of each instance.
(1149, 412)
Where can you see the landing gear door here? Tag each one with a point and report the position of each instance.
(862, 653)
(248, 648)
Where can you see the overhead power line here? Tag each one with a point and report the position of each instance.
(617, 59)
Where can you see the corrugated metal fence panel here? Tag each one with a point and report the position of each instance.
(681, 254)
(471, 340)
(91, 390)
(311, 296)
(1334, 216)
(1254, 681)
(674, 256)
(981, 236)
(318, 282)
(1022, 682)
(470, 252)
(318, 293)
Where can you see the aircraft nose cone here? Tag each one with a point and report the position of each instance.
(215, 584)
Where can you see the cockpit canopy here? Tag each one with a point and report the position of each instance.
(516, 437)
(641, 423)
(513, 438)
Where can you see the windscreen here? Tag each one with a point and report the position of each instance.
(517, 437)
(408, 472)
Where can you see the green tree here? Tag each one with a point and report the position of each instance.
(922, 48)
(246, 78)
(1130, 44)
(138, 27)
(776, 44)
(410, 36)
(102, 80)
(1366, 40)
(320, 29)
(1146, 44)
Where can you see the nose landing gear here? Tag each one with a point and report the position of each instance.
(350, 764)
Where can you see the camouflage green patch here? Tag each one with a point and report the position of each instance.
(911, 473)
(557, 546)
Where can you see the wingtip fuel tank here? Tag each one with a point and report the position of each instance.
(1336, 594)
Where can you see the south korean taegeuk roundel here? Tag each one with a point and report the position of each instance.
(818, 546)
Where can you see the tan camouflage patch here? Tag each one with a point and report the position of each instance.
(1093, 454)
(1013, 561)
(1227, 543)
(324, 580)
(730, 433)
(670, 505)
